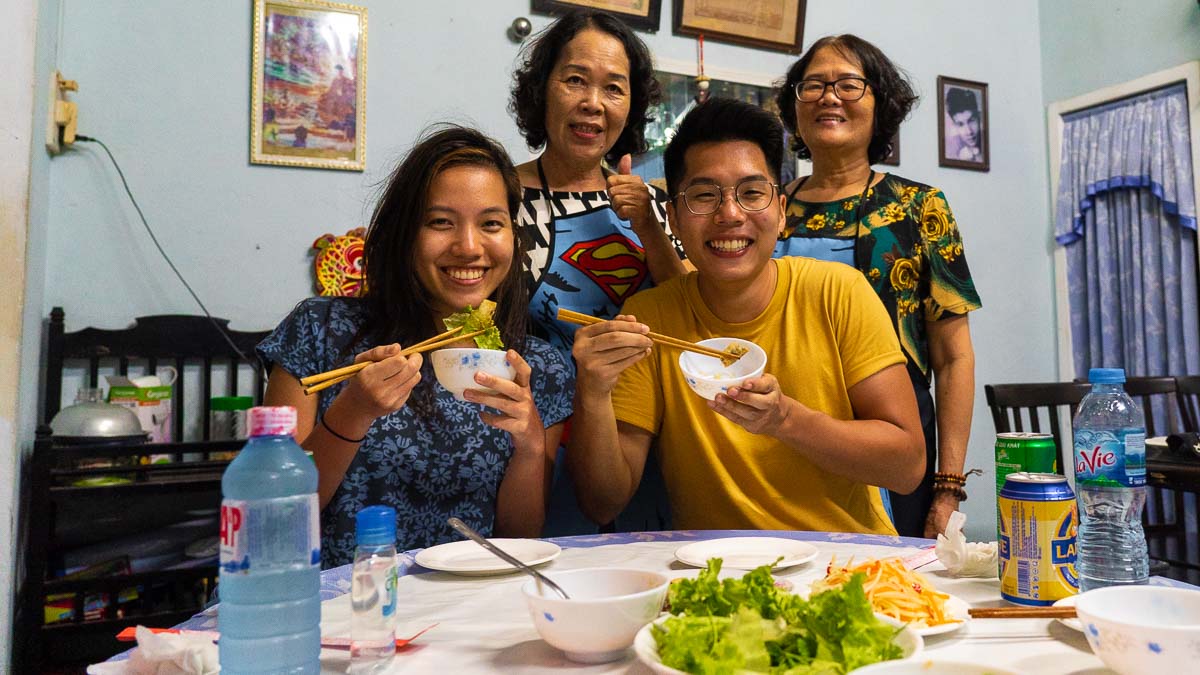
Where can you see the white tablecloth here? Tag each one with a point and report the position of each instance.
(484, 626)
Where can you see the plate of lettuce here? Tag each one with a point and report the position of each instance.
(749, 625)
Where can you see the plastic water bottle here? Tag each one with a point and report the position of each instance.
(1110, 479)
(270, 611)
(373, 591)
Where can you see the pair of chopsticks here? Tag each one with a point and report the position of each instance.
(1062, 612)
(664, 340)
(129, 634)
(314, 383)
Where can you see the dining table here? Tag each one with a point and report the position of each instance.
(480, 624)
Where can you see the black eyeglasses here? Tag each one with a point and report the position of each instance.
(751, 195)
(845, 88)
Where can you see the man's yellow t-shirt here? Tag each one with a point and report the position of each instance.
(824, 331)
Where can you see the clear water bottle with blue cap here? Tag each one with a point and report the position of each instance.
(270, 576)
(1110, 480)
(373, 590)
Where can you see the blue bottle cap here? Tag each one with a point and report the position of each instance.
(1106, 376)
(376, 526)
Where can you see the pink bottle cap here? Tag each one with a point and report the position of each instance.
(271, 421)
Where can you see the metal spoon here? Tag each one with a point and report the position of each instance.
(466, 531)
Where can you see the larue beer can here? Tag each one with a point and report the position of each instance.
(1037, 539)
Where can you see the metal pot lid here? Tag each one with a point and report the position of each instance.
(96, 420)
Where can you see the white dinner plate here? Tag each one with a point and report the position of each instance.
(957, 608)
(746, 553)
(470, 559)
(1069, 601)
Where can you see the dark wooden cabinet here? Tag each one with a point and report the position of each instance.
(98, 508)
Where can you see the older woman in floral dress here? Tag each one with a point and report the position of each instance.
(844, 100)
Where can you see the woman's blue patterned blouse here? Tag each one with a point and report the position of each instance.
(432, 459)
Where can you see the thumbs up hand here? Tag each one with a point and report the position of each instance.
(630, 197)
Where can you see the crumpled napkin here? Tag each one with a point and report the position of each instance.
(165, 654)
(962, 558)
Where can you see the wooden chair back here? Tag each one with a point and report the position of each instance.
(1035, 407)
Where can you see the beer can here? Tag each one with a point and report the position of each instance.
(1037, 539)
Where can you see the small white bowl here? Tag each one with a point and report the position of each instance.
(455, 368)
(607, 608)
(708, 377)
(1140, 630)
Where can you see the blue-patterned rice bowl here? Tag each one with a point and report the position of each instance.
(1142, 630)
(455, 368)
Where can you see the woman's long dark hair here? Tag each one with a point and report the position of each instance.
(398, 305)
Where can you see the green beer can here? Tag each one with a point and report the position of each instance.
(1023, 451)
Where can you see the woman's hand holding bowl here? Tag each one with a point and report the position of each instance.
(603, 350)
(514, 400)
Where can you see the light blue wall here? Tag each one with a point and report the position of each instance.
(1087, 45)
(166, 86)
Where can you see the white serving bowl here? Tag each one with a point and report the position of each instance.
(608, 606)
(910, 642)
(928, 666)
(1139, 630)
(455, 368)
(708, 377)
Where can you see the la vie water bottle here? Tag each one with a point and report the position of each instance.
(1110, 479)
(270, 576)
(373, 590)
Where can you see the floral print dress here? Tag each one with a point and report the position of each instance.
(432, 459)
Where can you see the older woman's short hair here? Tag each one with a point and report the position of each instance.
(894, 95)
(527, 101)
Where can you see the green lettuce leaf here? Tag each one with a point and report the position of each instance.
(471, 320)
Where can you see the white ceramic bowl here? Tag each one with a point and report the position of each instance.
(910, 642)
(1139, 630)
(708, 377)
(608, 606)
(455, 368)
(928, 666)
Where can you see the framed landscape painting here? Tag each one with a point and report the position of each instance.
(308, 90)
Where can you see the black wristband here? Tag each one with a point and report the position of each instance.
(330, 430)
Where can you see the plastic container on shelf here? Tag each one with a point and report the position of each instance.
(227, 421)
(373, 591)
(1110, 479)
(270, 610)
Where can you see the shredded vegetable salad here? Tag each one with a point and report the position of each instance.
(893, 589)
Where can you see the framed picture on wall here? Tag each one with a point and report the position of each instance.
(776, 25)
(962, 124)
(639, 14)
(308, 85)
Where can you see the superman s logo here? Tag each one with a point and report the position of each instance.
(613, 262)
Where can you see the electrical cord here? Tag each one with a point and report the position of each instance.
(142, 216)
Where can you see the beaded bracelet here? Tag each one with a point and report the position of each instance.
(956, 490)
(330, 430)
(948, 477)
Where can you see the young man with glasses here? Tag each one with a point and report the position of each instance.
(794, 449)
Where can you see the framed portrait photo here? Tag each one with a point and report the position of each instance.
(639, 14)
(308, 85)
(962, 124)
(776, 24)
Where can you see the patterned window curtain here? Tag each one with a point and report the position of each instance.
(1126, 214)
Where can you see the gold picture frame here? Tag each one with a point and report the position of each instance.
(308, 85)
(639, 14)
(772, 24)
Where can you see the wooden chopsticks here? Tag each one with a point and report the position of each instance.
(1062, 612)
(315, 383)
(665, 340)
